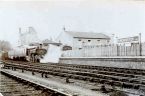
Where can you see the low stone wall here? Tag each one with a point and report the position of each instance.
(119, 62)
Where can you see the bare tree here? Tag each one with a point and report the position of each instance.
(5, 46)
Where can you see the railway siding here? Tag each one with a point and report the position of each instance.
(122, 77)
(66, 89)
(33, 83)
(88, 76)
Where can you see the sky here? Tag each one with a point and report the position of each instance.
(123, 18)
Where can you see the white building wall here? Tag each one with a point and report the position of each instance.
(79, 43)
(65, 39)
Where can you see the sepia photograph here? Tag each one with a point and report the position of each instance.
(72, 47)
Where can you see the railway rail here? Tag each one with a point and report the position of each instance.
(122, 77)
(13, 86)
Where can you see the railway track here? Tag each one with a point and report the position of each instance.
(122, 77)
(14, 85)
(11, 87)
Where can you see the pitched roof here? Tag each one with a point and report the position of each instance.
(88, 35)
(47, 41)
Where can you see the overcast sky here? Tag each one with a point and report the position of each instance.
(120, 17)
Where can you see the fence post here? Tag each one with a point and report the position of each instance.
(117, 50)
(140, 45)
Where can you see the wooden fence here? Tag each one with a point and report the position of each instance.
(107, 50)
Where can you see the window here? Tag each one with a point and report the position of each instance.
(98, 40)
(66, 48)
(80, 48)
(89, 40)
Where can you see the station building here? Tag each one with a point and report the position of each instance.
(79, 39)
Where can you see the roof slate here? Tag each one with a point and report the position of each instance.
(88, 35)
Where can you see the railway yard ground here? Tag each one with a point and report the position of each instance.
(75, 87)
(71, 80)
(10, 87)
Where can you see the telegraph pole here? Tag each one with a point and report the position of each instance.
(140, 45)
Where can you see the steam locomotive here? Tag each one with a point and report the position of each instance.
(25, 53)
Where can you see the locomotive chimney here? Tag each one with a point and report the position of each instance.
(40, 46)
